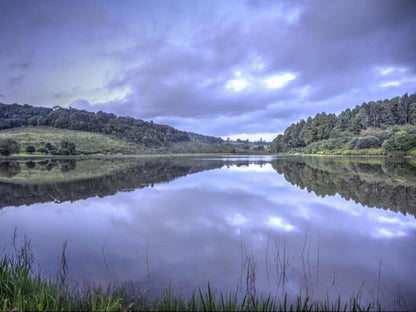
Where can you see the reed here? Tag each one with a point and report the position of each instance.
(24, 289)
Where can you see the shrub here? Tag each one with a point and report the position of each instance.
(364, 142)
(67, 148)
(400, 141)
(8, 147)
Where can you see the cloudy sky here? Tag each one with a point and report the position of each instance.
(220, 68)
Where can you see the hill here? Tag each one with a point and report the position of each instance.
(85, 142)
(382, 127)
(46, 129)
(128, 129)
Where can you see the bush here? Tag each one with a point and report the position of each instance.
(8, 147)
(399, 142)
(67, 148)
(49, 149)
(364, 142)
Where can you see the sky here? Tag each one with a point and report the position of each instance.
(235, 68)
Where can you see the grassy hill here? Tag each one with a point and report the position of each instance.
(102, 133)
(125, 128)
(95, 143)
(85, 142)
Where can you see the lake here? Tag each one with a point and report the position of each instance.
(322, 225)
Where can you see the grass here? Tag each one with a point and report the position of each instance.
(21, 288)
(86, 142)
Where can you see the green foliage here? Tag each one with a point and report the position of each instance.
(400, 142)
(367, 126)
(46, 139)
(364, 142)
(362, 152)
(403, 140)
(67, 148)
(50, 148)
(8, 147)
(125, 128)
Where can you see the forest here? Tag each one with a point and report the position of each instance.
(383, 127)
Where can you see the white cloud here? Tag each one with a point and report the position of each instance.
(388, 70)
(236, 85)
(237, 220)
(397, 83)
(384, 233)
(279, 80)
(253, 168)
(280, 224)
(393, 83)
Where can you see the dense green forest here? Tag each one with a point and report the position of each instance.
(125, 128)
(386, 127)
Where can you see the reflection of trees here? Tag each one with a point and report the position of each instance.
(48, 164)
(382, 183)
(137, 173)
(68, 165)
(9, 169)
(30, 164)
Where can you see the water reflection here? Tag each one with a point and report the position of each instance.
(219, 218)
(381, 183)
(377, 183)
(69, 180)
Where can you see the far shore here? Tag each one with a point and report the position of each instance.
(107, 156)
(161, 155)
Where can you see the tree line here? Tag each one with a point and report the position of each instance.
(125, 128)
(388, 124)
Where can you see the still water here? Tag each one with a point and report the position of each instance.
(326, 226)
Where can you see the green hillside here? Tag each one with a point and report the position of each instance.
(128, 129)
(85, 142)
(374, 128)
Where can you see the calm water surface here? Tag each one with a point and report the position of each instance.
(326, 226)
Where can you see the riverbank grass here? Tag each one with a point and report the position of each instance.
(23, 289)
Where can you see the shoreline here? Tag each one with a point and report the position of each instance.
(103, 156)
